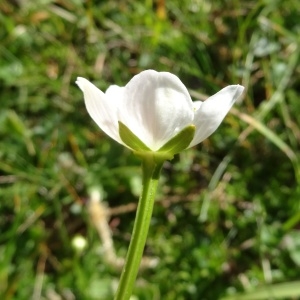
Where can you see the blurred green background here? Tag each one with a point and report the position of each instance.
(227, 219)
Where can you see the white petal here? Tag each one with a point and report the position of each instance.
(115, 92)
(212, 112)
(101, 107)
(156, 106)
(196, 105)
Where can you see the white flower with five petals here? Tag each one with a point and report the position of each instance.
(156, 107)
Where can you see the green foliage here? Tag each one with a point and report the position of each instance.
(227, 217)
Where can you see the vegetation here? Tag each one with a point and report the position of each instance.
(227, 219)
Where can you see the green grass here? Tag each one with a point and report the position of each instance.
(227, 218)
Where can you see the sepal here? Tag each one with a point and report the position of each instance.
(131, 140)
(179, 142)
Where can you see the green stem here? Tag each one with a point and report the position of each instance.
(151, 172)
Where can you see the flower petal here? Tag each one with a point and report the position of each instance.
(212, 112)
(115, 92)
(156, 106)
(102, 107)
(196, 105)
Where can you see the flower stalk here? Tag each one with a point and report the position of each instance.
(151, 170)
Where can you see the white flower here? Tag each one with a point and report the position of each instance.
(79, 243)
(155, 107)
